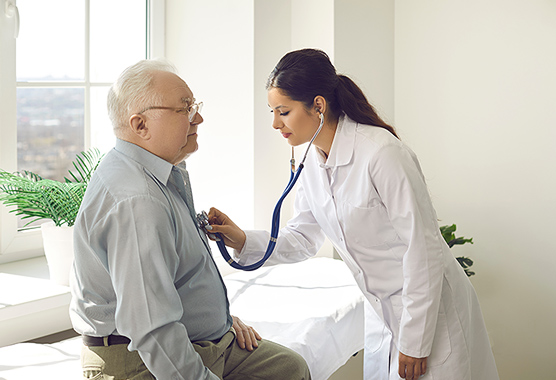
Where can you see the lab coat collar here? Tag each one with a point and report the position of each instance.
(343, 144)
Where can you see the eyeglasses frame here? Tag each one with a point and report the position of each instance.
(196, 107)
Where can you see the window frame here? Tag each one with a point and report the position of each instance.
(15, 244)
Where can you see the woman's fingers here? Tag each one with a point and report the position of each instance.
(411, 368)
(233, 236)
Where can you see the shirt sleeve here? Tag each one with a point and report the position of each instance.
(142, 261)
(397, 176)
(299, 240)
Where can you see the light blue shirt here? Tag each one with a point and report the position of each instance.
(142, 267)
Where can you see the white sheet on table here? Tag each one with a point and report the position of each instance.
(25, 361)
(313, 307)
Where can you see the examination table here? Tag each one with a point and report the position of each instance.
(313, 307)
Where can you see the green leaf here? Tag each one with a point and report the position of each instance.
(36, 198)
(85, 163)
(465, 262)
(460, 241)
(448, 233)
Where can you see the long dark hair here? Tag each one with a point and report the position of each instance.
(304, 74)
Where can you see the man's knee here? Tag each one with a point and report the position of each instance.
(295, 366)
(270, 361)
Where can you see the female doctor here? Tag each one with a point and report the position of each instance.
(363, 189)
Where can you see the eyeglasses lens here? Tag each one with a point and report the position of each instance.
(195, 108)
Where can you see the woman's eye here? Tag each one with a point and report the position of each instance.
(282, 113)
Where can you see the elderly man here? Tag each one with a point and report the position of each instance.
(147, 295)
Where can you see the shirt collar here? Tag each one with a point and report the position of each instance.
(343, 144)
(159, 167)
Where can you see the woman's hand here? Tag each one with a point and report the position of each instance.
(411, 368)
(233, 236)
(246, 335)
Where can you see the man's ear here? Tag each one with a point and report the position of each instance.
(138, 127)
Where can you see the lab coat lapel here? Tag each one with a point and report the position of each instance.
(341, 153)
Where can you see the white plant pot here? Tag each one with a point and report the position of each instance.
(58, 249)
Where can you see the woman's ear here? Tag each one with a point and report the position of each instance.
(138, 126)
(319, 103)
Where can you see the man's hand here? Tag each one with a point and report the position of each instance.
(411, 368)
(246, 335)
(233, 235)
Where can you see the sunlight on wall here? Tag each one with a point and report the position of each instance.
(474, 98)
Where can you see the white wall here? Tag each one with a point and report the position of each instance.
(469, 86)
(281, 26)
(272, 36)
(211, 43)
(475, 97)
(225, 52)
(364, 49)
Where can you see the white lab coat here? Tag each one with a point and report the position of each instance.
(370, 199)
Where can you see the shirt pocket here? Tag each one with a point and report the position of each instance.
(366, 227)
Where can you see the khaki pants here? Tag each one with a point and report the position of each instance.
(270, 361)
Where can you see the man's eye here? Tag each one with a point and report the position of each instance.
(284, 113)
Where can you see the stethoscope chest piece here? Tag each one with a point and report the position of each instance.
(203, 221)
(203, 224)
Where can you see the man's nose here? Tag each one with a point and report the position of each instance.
(198, 119)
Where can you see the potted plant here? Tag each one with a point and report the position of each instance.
(37, 198)
(448, 233)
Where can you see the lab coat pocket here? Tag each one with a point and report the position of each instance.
(366, 227)
(397, 307)
(441, 345)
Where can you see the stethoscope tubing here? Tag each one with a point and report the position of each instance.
(294, 176)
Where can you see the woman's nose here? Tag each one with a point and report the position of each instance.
(276, 122)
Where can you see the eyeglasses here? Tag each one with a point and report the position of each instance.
(190, 111)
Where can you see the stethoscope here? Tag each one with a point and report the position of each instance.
(203, 222)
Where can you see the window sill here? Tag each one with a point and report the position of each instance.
(30, 305)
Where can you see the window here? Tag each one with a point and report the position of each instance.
(67, 54)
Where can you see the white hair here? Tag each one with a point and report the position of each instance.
(132, 91)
